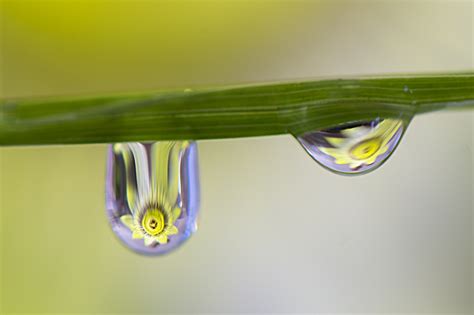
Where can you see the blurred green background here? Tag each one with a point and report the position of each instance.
(277, 232)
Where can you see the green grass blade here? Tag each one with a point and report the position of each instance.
(228, 112)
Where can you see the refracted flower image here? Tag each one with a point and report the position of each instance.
(354, 148)
(155, 224)
(152, 194)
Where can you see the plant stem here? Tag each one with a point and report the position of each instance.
(227, 112)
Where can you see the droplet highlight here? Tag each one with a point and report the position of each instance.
(152, 194)
(354, 148)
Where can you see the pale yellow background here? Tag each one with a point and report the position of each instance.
(277, 232)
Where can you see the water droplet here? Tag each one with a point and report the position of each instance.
(354, 148)
(152, 194)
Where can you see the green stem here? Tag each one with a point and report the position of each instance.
(227, 112)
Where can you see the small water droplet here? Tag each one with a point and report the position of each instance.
(354, 148)
(152, 194)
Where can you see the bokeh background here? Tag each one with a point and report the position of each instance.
(278, 233)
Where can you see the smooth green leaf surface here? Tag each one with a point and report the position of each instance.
(227, 112)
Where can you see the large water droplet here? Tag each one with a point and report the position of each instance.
(354, 148)
(152, 194)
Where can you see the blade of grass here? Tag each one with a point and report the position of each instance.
(227, 112)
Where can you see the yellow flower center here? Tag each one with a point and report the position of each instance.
(153, 222)
(366, 149)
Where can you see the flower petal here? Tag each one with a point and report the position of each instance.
(171, 230)
(371, 160)
(149, 241)
(343, 161)
(333, 152)
(175, 213)
(390, 134)
(142, 176)
(335, 142)
(382, 150)
(128, 221)
(387, 128)
(137, 235)
(162, 238)
(160, 153)
(355, 164)
(355, 131)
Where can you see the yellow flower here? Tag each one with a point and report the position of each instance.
(152, 200)
(362, 145)
(155, 225)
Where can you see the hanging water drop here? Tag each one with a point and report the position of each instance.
(152, 194)
(354, 148)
